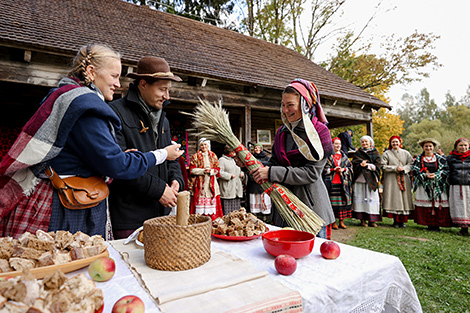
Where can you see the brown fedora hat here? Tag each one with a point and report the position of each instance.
(153, 67)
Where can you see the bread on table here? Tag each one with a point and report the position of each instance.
(55, 293)
(47, 248)
(238, 223)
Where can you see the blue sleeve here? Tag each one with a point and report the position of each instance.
(94, 143)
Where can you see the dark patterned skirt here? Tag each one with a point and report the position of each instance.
(230, 205)
(338, 201)
(437, 217)
(91, 221)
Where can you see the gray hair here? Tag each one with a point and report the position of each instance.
(369, 138)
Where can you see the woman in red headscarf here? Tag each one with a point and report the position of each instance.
(337, 176)
(459, 181)
(397, 200)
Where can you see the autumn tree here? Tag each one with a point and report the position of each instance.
(404, 60)
(384, 125)
(279, 21)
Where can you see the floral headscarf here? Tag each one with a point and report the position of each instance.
(314, 121)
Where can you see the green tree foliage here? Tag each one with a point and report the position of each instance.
(269, 20)
(416, 109)
(454, 124)
(208, 11)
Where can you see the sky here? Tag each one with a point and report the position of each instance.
(447, 19)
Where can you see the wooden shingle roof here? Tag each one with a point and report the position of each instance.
(189, 46)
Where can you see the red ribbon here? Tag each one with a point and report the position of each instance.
(286, 199)
(241, 147)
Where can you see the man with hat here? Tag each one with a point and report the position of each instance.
(145, 127)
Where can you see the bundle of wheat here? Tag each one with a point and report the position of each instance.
(212, 122)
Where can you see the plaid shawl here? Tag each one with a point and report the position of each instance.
(44, 136)
(346, 177)
(371, 156)
(433, 187)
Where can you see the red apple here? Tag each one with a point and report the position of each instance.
(129, 304)
(285, 264)
(330, 250)
(102, 269)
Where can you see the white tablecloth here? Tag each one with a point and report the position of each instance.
(358, 281)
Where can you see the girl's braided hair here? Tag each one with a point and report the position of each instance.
(91, 54)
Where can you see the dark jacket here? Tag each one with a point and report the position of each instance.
(459, 171)
(252, 186)
(346, 142)
(131, 202)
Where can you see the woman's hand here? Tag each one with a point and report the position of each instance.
(260, 174)
(207, 170)
(400, 168)
(430, 175)
(233, 176)
(364, 163)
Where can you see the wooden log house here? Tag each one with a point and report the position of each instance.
(38, 38)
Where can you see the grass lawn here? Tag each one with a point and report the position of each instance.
(437, 262)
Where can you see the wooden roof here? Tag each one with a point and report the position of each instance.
(189, 46)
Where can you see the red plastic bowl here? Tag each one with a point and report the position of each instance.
(286, 241)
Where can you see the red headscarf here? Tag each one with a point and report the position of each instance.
(464, 155)
(334, 139)
(390, 141)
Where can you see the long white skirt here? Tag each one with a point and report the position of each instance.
(365, 200)
(459, 204)
(260, 203)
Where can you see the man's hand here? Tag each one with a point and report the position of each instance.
(175, 185)
(168, 198)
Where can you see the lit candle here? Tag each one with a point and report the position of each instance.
(182, 208)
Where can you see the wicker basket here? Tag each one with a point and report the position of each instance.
(171, 247)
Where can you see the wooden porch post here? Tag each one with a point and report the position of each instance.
(370, 130)
(247, 134)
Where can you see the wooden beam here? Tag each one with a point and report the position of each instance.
(247, 135)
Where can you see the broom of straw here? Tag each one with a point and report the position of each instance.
(212, 122)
